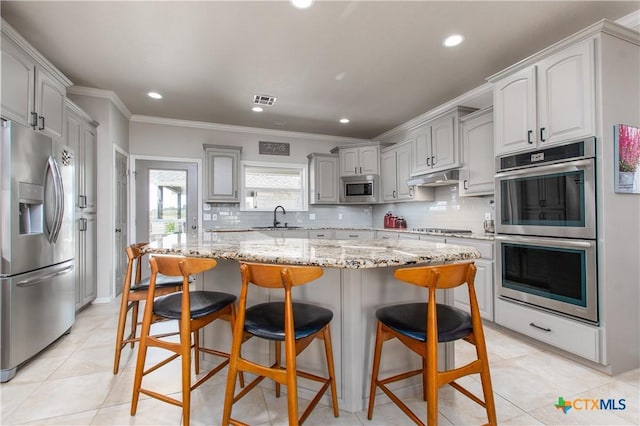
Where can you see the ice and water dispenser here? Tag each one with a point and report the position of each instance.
(31, 208)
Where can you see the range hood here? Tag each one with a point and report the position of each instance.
(447, 177)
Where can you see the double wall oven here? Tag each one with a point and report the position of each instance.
(546, 229)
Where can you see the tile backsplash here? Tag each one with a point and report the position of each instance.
(448, 210)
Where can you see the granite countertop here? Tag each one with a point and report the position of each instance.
(473, 236)
(253, 246)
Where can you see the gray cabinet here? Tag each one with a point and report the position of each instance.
(222, 168)
(362, 160)
(81, 137)
(86, 259)
(476, 174)
(395, 165)
(323, 179)
(33, 91)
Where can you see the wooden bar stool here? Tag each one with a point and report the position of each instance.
(420, 326)
(297, 324)
(193, 310)
(132, 294)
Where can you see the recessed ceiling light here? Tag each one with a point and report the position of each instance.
(344, 120)
(301, 4)
(257, 109)
(453, 40)
(154, 95)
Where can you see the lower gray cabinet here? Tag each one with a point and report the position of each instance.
(86, 259)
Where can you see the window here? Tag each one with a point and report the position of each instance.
(267, 185)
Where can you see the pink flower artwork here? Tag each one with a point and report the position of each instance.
(628, 148)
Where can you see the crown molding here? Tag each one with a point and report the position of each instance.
(241, 129)
(472, 94)
(631, 20)
(103, 94)
(72, 106)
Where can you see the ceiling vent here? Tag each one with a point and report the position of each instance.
(264, 100)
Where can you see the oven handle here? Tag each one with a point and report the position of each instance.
(570, 166)
(553, 242)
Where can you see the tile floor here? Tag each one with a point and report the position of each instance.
(71, 383)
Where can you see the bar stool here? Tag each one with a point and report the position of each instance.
(193, 310)
(132, 294)
(420, 326)
(297, 324)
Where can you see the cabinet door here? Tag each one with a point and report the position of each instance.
(388, 168)
(421, 150)
(73, 137)
(477, 146)
(515, 112)
(566, 99)
(326, 180)
(222, 175)
(349, 161)
(484, 290)
(89, 156)
(90, 257)
(443, 147)
(403, 172)
(49, 104)
(17, 84)
(368, 160)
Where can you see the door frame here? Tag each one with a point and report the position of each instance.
(132, 182)
(118, 150)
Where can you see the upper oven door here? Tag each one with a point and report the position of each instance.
(556, 200)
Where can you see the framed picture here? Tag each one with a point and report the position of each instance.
(627, 158)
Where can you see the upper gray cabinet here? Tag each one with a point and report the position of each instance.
(33, 91)
(81, 136)
(476, 173)
(361, 160)
(222, 167)
(323, 179)
(436, 143)
(549, 102)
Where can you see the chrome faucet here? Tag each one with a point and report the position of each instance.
(275, 220)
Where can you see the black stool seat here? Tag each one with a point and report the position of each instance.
(266, 320)
(161, 281)
(202, 303)
(411, 320)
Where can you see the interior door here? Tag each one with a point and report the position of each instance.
(121, 220)
(166, 198)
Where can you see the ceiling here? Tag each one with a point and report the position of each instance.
(377, 63)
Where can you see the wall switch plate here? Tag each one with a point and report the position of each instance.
(214, 216)
(206, 216)
(339, 216)
(206, 207)
(312, 216)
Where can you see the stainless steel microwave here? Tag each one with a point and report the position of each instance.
(359, 189)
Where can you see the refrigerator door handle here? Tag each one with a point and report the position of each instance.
(50, 222)
(34, 281)
(59, 196)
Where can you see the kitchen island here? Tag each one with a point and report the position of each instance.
(358, 279)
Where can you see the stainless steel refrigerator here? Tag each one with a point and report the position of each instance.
(37, 293)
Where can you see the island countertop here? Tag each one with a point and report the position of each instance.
(253, 246)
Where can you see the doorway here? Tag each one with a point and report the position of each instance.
(166, 198)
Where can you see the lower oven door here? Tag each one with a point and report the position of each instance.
(551, 273)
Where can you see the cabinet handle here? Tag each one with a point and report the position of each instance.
(428, 160)
(318, 196)
(235, 194)
(34, 120)
(41, 123)
(394, 194)
(319, 235)
(539, 328)
(360, 170)
(464, 184)
(529, 134)
(433, 161)
(353, 235)
(542, 139)
(83, 224)
(355, 170)
(82, 201)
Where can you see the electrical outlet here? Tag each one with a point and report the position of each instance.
(206, 217)
(312, 216)
(339, 216)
